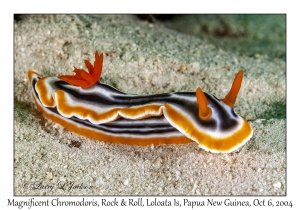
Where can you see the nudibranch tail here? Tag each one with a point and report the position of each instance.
(101, 112)
(204, 111)
(86, 79)
(235, 88)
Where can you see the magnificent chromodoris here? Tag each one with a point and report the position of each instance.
(84, 105)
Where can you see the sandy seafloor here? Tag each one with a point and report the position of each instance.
(144, 58)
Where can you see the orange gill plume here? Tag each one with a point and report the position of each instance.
(86, 79)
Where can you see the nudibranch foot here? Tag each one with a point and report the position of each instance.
(84, 105)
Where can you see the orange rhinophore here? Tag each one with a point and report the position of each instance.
(204, 111)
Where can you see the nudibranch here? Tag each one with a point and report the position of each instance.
(86, 106)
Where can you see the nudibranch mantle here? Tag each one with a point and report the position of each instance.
(84, 105)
